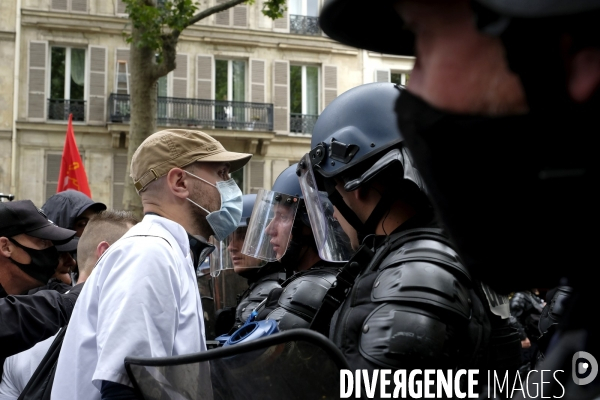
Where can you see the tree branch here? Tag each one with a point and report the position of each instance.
(169, 53)
(213, 10)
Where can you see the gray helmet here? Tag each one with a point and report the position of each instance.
(356, 139)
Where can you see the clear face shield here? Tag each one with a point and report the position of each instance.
(228, 254)
(227, 263)
(270, 227)
(332, 241)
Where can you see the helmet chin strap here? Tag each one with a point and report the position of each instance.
(363, 229)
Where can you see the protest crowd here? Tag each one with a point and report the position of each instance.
(442, 225)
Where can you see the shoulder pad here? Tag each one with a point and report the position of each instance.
(304, 292)
(396, 336)
(422, 282)
(428, 250)
(262, 289)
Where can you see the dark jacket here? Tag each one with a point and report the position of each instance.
(27, 320)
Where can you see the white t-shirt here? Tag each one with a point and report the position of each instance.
(141, 300)
(18, 369)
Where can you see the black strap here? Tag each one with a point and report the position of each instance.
(339, 290)
(39, 386)
(364, 257)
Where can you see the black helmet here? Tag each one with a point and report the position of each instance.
(355, 139)
(374, 26)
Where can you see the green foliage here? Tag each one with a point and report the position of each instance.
(152, 21)
(274, 9)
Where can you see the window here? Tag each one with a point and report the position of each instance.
(304, 17)
(67, 83)
(304, 98)
(399, 78)
(230, 90)
(70, 5)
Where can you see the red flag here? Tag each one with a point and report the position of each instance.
(72, 173)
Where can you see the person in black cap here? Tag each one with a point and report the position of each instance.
(70, 209)
(28, 258)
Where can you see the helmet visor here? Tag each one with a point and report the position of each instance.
(228, 254)
(270, 226)
(333, 243)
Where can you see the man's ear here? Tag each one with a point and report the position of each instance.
(101, 248)
(5, 247)
(178, 182)
(584, 74)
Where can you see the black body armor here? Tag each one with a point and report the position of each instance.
(255, 294)
(302, 296)
(415, 306)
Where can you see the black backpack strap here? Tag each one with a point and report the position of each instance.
(39, 386)
(339, 290)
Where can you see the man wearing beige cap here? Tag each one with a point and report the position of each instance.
(142, 298)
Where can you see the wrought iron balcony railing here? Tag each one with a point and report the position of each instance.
(201, 113)
(304, 25)
(302, 123)
(59, 109)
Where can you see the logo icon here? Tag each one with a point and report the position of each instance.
(584, 367)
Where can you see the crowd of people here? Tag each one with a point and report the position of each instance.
(398, 237)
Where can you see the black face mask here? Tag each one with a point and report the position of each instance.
(514, 193)
(43, 262)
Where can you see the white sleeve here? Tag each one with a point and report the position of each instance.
(138, 305)
(8, 387)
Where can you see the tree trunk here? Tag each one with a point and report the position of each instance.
(143, 113)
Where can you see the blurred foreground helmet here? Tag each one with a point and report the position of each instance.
(355, 139)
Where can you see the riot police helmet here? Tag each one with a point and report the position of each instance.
(279, 229)
(355, 140)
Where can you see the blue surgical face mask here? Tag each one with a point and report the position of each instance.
(225, 220)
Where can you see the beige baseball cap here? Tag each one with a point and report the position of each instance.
(177, 148)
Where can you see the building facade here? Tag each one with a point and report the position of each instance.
(254, 84)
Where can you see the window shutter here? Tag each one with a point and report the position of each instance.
(121, 7)
(204, 89)
(281, 96)
(282, 24)
(36, 97)
(204, 77)
(59, 5)
(240, 16)
(257, 81)
(329, 84)
(122, 73)
(79, 6)
(53, 162)
(256, 172)
(180, 76)
(97, 79)
(223, 18)
(119, 167)
(382, 75)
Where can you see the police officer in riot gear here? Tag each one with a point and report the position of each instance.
(228, 260)
(516, 116)
(280, 223)
(413, 304)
